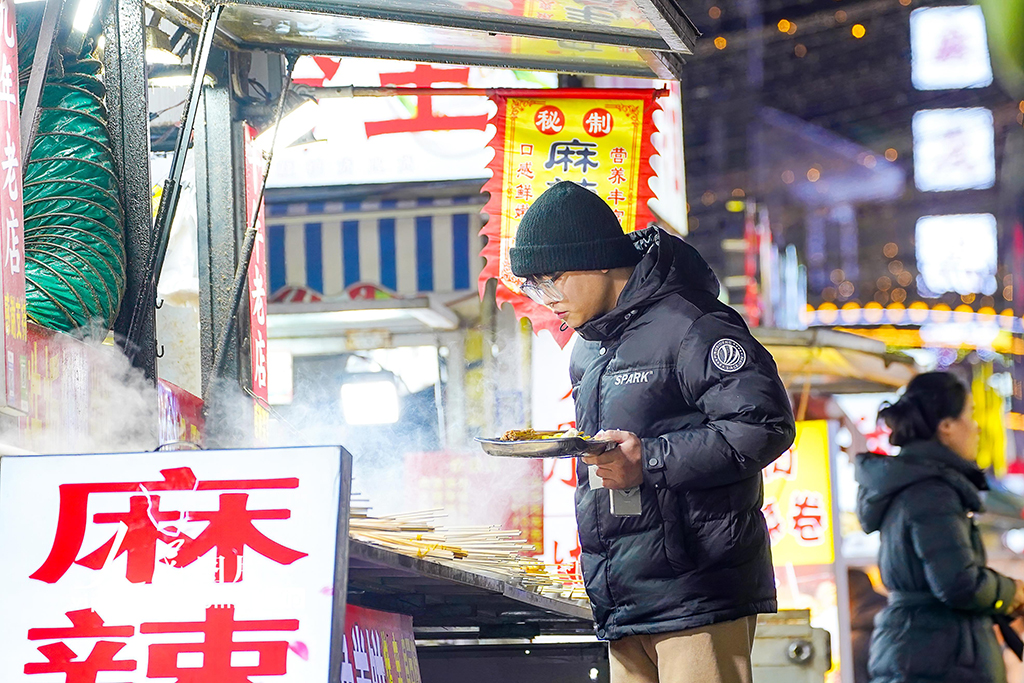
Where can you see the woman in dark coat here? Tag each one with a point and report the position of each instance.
(938, 626)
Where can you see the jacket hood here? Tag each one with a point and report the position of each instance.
(883, 477)
(669, 265)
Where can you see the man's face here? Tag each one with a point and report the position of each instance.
(585, 294)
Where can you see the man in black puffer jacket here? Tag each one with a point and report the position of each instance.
(696, 404)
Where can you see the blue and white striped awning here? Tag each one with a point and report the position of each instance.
(410, 246)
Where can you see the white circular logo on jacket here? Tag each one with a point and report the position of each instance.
(728, 355)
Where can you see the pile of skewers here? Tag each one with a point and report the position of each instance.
(486, 550)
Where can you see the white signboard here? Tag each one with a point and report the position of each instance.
(199, 566)
(391, 139)
(957, 253)
(954, 149)
(949, 48)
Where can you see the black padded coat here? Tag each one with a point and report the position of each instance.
(681, 370)
(938, 625)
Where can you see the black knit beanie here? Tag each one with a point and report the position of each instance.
(570, 228)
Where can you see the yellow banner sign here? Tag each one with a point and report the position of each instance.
(798, 499)
(600, 139)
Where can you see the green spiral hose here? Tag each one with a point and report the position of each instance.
(73, 219)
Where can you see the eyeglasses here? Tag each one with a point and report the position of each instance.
(542, 288)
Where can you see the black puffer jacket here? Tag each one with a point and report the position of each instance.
(680, 369)
(938, 625)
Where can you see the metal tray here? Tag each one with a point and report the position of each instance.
(545, 448)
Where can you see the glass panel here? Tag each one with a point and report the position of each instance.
(607, 16)
(311, 33)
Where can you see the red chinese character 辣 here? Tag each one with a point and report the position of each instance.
(424, 76)
(217, 647)
(61, 659)
(806, 517)
(229, 529)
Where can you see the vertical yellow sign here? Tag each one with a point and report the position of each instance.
(798, 499)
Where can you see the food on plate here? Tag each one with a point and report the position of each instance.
(533, 435)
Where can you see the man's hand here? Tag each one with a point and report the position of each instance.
(622, 467)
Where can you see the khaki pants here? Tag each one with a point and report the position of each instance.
(719, 653)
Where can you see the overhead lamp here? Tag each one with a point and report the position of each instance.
(174, 76)
(371, 399)
(84, 14)
(293, 126)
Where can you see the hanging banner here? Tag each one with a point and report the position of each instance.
(600, 139)
(798, 499)
(257, 281)
(12, 239)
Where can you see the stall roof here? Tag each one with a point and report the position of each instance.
(338, 326)
(440, 595)
(641, 38)
(835, 362)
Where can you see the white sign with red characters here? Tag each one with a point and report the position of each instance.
(12, 232)
(181, 567)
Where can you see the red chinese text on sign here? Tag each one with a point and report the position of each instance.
(597, 122)
(424, 76)
(549, 120)
(229, 530)
(12, 277)
(807, 510)
(218, 648)
(60, 658)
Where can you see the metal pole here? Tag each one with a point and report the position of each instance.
(242, 270)
(842, 576)
(172, 186)
(40, 65)
(128, 115)
(320, 92)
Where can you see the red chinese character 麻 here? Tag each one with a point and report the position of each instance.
(217, 647)
(73, 519)
(424, 76)
(63, 660)
(139, 542)
(230, 530)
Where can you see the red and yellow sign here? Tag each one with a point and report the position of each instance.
(600, 139)
(798, 499)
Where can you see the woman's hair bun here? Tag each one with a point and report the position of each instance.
(930, 398)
